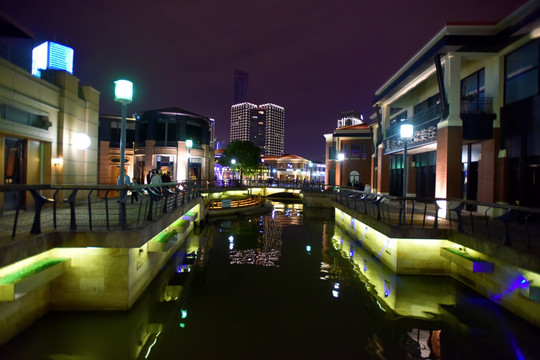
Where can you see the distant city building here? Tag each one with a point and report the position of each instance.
(351, 140)
(263, 125)
(241, 87)
(350, 118)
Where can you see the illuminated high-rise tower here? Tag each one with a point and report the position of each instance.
(263, 125)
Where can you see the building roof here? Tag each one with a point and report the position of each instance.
(9, 28)
(463, 37)
(173, 111)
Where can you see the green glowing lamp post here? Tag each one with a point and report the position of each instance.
(189, 145)
(123, 93)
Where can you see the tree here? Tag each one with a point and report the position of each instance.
(246, 156)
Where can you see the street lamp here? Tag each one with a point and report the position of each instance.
(341, 157)
(310, 165)
(123, 93)
(406, 132)
(189, 145)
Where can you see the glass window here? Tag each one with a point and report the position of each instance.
(355, 150)
(521, 73)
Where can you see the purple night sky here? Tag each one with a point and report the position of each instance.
(317, 59)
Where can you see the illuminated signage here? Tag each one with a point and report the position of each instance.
(50, 55)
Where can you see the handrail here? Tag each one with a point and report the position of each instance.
(516, 223)
(98, 205)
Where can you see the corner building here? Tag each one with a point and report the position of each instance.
(472, 96)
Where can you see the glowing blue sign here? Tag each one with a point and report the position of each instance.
(50, 55)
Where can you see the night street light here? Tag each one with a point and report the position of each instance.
(189, 145)
(123, 93)
(406, 133)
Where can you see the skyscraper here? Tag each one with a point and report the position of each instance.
(263, 125)
(241, 89)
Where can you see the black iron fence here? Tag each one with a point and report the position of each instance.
(93, 207)
(509, 225)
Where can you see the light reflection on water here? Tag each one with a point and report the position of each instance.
(284, 285)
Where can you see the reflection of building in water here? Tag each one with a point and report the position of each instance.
(414, 296)
(419, 297)
(269, 249)
(288, 214)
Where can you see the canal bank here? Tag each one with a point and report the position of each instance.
(256, 282)
(503, 275)
(87, 270)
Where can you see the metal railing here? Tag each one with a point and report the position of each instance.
(508, 225)
(477, 104)
(106, 206)
(306, 186)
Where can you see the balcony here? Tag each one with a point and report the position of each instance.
(425, 130)
(477, 116)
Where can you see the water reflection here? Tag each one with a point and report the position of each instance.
(284, 285)
(455, 323)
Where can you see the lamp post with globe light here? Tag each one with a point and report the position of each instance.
(406, 132)
(189, 145)
(123, 93)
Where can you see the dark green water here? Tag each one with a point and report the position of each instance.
(286, 285)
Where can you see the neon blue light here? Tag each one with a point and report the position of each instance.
(519, 282)
(50, 55)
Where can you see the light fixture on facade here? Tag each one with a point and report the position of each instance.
(57, 161)
(81, 141)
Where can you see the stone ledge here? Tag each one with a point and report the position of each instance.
(14, 290)
(467, 262)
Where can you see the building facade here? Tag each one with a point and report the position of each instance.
(348, 152)
(41, 124)
(472, 96)
(156, 139)
(263, 125)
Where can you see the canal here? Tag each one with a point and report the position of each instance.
(284, 285)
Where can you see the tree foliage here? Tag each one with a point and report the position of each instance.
(246, 155)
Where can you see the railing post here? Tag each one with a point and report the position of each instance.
(39, 201)
(71, 200)
(122, 209)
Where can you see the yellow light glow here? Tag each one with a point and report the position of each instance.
(58, 161)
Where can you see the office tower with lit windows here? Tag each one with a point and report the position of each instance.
(263, 125)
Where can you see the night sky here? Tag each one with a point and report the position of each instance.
(315, 58)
